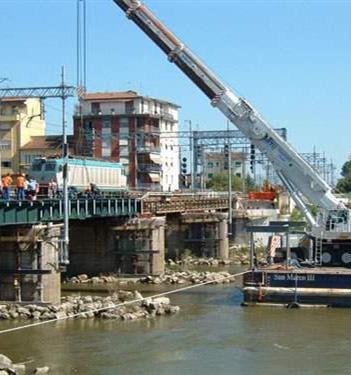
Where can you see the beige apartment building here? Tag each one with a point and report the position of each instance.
(20, 119)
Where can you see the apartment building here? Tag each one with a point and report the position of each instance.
(138, 131)
(216, 162)
(20, 119)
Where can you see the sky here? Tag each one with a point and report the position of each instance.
(290, 59)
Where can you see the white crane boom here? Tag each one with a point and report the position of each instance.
(297, 175)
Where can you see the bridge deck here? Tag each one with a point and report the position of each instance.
(51, 210)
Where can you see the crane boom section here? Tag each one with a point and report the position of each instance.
(287, 162)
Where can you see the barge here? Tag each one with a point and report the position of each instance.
(317, 274)
(326, 286)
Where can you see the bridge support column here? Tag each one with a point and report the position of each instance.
(141, 246)
(29, 264)
(157, 263)
(207, 234)
(223, 240)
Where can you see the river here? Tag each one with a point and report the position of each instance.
(212, 334)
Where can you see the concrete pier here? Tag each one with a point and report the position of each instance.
(131, 246)
(204, 234)
(29, 264)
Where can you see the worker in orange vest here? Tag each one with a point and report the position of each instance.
(6, 186)
(20, 186)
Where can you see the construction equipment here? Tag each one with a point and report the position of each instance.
(300, 179)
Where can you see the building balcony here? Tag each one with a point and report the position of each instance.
(10, 117)
(149, 168)
(148, 149)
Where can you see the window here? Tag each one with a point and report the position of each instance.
(95, 108)
(123, 128)
(106, 138)
(50, 166)
(5, 145)
(129, 107)
(123, 150)
(210, 175)
(210, 164)
(6, 164)
(237, 164)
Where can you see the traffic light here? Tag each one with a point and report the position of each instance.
(184, 166)
(198, 150)
(252, 157)
(226, 157)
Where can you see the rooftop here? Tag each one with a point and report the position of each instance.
(44, 142)
(120, 96)
(11, 99)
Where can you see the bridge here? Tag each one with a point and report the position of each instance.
(51, 210)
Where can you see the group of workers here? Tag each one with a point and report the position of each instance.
(25, 187)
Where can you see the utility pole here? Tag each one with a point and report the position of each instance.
(191, 146)
(243, 177)
(230, 201)
(65, 256)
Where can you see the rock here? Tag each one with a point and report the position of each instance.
(96, 280)
(19, 369)
(226, 262)
(14, 314)
(170, 262)
(83, 277)
(172, 309)
(60, 315)
(160, 311)
(23, 311)
(36, 315)
(157, 302)
(5, 362)
(41, 370)
(138, 295)
(87, 299)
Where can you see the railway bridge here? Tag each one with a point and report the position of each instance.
(125, 235)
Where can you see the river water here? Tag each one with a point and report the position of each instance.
(212, 334)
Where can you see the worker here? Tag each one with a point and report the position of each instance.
(6, 187)
(33, 189)
(52, 189)
(20, 187)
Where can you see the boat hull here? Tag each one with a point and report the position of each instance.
(327, 287)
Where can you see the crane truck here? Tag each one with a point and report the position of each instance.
(332, 228)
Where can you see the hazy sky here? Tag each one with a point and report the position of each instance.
(290, 59)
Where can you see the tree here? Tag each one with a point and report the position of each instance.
(219, 182)
(344, 183)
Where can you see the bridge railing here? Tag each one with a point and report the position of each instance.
(51, 210)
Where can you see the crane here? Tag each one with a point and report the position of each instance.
(299, 178)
